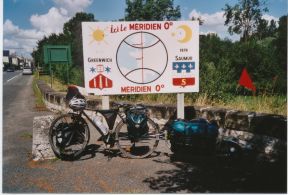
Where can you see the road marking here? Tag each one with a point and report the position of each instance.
(13, 78)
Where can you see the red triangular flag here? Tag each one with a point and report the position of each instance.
(246, 81)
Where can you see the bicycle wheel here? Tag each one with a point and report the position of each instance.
(141, 147)
(68, 136)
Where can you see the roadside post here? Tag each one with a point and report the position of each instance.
(105, 102)
(124, 58)
(180, 105)
(67, 66)
(51, 76)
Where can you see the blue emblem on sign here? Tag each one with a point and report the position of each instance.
(107, 69)
(183, 66)
(92, 69)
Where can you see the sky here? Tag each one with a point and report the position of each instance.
(27, 21)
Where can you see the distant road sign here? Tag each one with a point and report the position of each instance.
(57, 54)
(141, 57)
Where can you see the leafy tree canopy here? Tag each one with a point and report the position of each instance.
(74, 23)
(153, 10)
(281, 42)
(244, 17)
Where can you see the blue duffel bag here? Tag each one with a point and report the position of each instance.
(198, 134)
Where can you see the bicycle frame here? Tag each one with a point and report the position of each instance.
(119, 113)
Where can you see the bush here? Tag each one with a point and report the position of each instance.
(76, 76)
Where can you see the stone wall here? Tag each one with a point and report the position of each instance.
(265, 131)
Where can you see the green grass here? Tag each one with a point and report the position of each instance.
(56, 83)
(274, 104)
(38, 96)
(263, 104)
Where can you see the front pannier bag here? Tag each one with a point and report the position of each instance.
(137, 123)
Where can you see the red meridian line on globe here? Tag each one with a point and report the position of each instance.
(142, 57)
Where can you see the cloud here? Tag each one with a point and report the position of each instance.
(10, 28)
(214, 19)
(45, 24)
(214, 23)
(73, 6)
(20, 40)
(52, 22)
(19, 45)
(11, 43)
(269, 18)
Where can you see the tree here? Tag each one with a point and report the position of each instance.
(281, 43)
(272, 28)
(75, 23)
(73, 31)
(264, 29)
(199, 19)
(72, 35)
(154, 10)
(38, 54)
(244, 17)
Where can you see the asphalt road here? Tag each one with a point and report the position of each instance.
(9, 76)
(100, 171)
(18, 113)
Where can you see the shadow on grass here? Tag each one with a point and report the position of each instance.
(219, 175)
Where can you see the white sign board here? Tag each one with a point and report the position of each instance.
(141, 57)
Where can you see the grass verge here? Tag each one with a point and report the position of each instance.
(37, 93)
(56, 83)
(263, 104)
(275, 104)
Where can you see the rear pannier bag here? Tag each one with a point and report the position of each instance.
(197, 134)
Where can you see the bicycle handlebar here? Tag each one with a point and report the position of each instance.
(129, 106)
(121, 105)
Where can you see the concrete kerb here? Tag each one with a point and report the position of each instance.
(238, 124)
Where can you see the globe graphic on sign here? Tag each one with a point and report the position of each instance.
(142, 57)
